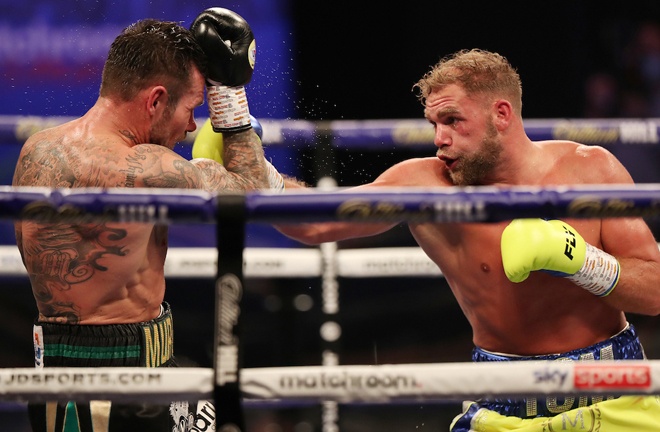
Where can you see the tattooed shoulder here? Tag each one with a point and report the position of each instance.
(44, 163)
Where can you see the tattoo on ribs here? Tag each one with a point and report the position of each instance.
(61, 256)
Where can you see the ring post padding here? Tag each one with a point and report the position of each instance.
(229, 293)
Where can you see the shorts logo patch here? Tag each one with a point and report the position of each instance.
(38, 339)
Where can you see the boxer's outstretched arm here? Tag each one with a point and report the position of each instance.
(316, 233)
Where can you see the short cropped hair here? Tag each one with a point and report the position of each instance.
(151, 52)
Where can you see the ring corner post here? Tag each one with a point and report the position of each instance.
(231, 222)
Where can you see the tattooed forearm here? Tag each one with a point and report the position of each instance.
(155, 166)
(244, 159)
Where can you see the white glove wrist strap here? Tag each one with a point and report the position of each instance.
(599, 273)
(228, 107)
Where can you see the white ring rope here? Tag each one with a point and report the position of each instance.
(431, 382)
(278, 262)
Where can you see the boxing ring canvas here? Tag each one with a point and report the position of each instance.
(381, 323)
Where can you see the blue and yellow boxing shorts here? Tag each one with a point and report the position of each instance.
(625, 414)
(596, 413)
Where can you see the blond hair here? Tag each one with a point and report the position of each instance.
(478, 72)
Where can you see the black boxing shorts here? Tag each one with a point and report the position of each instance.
(146, 344)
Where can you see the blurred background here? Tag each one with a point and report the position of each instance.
(321, 61)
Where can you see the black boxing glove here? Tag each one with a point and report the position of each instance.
(229, 44)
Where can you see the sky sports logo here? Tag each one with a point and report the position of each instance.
(612, 377)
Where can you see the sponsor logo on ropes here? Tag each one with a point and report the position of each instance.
(41, 211)
(81, 379)
(594, 206)
(142, 213)
(549, 375)
(348, 381)
(412, 133)
(398, 265)
(627, 132)
(618, 376)
(440, 211)
(587, 134)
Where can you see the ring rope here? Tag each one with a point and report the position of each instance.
(479, 204)
(201, 262)
(344, 384)
(376, 134)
